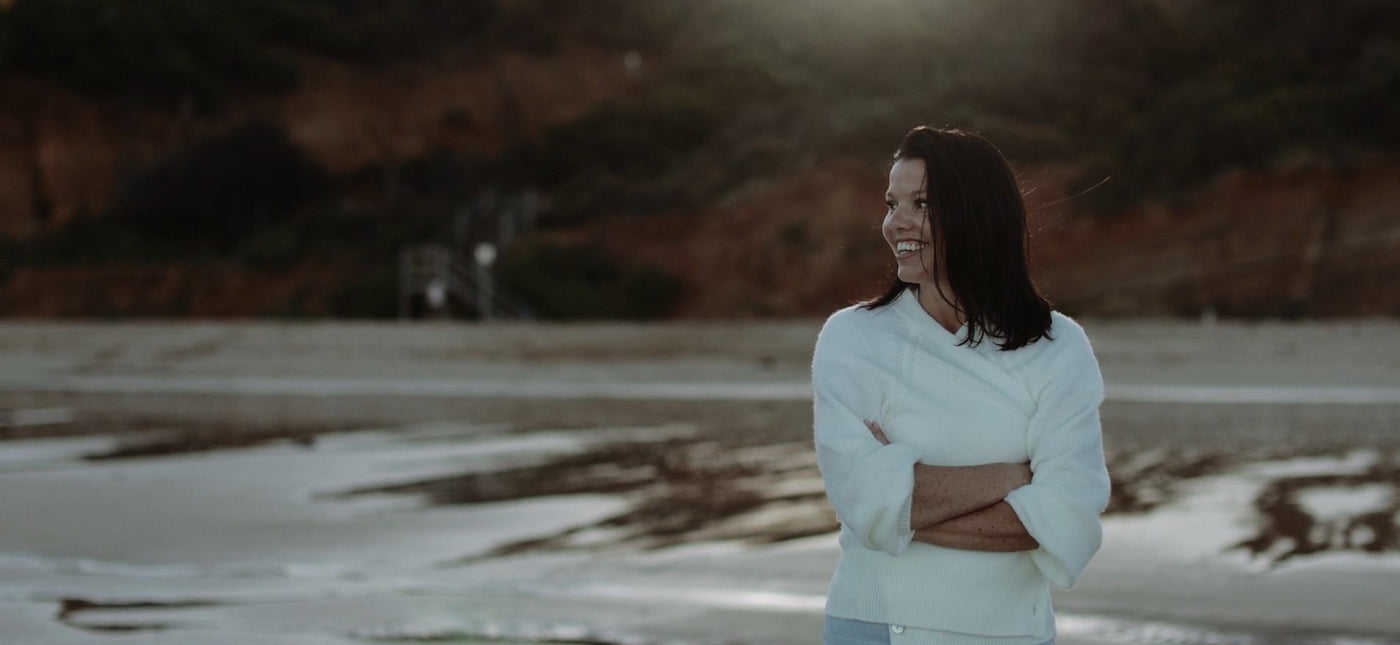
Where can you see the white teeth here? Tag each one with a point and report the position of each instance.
(905, 247)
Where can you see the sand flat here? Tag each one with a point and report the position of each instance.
(330, 483)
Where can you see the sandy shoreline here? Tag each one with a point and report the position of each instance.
(416, 461)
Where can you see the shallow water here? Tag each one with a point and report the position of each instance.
(463, 532)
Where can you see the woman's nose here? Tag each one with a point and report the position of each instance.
(906, 218)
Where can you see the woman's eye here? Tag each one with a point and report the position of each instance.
(921, 204)
(889, 205)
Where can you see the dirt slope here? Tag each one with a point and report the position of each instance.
(1276, 244)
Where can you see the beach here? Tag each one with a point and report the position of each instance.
(324, 482)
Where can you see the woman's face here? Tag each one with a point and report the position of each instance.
(906, 226)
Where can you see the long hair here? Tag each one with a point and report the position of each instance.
(980, 238)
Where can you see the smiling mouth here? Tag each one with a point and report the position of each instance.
(905, 249)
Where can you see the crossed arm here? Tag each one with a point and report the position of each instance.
(961, 507)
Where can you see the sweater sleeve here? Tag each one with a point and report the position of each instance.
(871, 485)
(1069, 486)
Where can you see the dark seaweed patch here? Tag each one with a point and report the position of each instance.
(1289, 531)
(69, 607)
(682, 490)
(1142, 482)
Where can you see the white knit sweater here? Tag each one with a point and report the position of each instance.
(949, 405)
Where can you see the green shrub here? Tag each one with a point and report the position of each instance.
(218, 192)
(586, 282)
(651, 292)
(370, 295)
(620, 157)
(274, 247)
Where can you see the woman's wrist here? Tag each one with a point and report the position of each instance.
(994, 528)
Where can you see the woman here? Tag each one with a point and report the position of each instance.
(956, 420)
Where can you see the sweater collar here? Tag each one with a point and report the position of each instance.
(907, 304)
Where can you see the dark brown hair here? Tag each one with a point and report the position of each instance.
(980, 236)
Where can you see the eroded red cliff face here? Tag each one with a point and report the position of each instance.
(1278, 244)
(1281, 243)
(65, 156)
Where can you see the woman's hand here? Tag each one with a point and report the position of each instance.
(879, 434)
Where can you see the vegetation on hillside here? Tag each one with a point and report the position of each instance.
(187, 52)
(1155, 97)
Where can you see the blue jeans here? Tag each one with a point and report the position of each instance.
(845, 631)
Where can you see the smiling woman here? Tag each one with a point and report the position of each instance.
(968, 476)
(954, 206)
(907, 227)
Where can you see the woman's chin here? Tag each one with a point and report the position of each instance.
(912, 276)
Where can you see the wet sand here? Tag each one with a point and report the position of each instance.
(629, 483)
